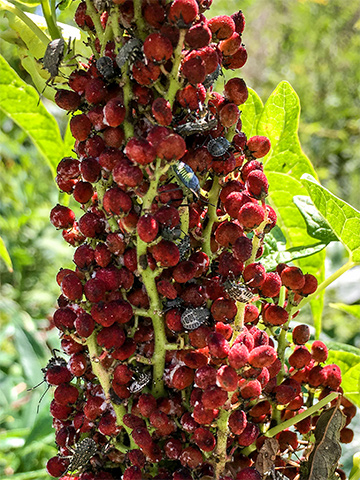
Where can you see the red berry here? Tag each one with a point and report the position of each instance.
(262, 356)
(62, 217)
(251, 215)
(300, 357)
(157, 48)
(67, 100)
(222, 26)
(237, 422)
(114, 112)
(182, 377)
(204, 439)
(301, 334)
(166, 253)
(80, 127)
(293, 278)
(275, 315)
(140, 151)
(319, 351)
(238, 356)
(259, 146)
(183, 12)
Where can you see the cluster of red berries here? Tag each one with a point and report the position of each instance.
(168, 274)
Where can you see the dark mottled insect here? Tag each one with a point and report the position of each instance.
(81, 454)
(212, 77)
(237, 292)
(217, 147)
(177, 302)
(184, 247)
(53, 56)
(197, 125)
(101, 5)
(140, 383)
(130, 51)
(169, 233)
(193, 318)
(105, 65)
(54, 361)
(187, 177)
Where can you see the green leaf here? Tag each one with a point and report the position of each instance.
(342, 347)
(270, 261)
(352, 309)
(4, 254)
(250, 113)
(349, 364)
(317, 226)
(68, 142)
(284, 165)
(344, 220)
(42, 427)
(21, 103)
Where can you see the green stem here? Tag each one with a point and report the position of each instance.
(101, 189)
(4, 5)
(127, 92)
(256, 241)
(174, 74)
(138, 18)
(90, 10)
(350, 264)
(52, 27)
(104, 378)
(222, 436)
(212, 216)
(108, 35)
(238, 322)
(114, 15)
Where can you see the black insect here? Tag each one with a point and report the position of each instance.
(197, 125)
(217, 147)
(105, 65)
(81, 454)
(170, 233)
(52, 59)
(54, 361)
(193, 318)
(130, 51)
(238, 292)
(212, 77)
(177, 302)
(184, 247)
(140, 383)
(186, 176)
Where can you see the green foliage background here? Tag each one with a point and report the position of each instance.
(312, 44)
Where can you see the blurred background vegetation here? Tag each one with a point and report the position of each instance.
(315, 46)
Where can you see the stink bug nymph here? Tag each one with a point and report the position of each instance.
(140, 383)
(81, 454)
(193, 318)
(53, 56)
(217, 147)
(239, 293)
(105, 65)
(130, 51)
(186, 176)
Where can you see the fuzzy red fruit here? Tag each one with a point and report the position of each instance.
(242, 248)
(184, 271)
(116, 201)
(114, 112)
(246, 438)
(145, 74)
(191, 456)
(57, 375)
(218, 346)
(214, 397)
(183, 12)
(204, 439)
(300, 358)
(310, 285)
(193, 69)
(249, 473)
(90, 170)
(71, 287)
(67, 100)
(227, 234)
(319, 351)
(222, 26)
(234, 201)
(182, 377)
(301, 334)
(275, 315)
(157, 48)
(140, 151)
(227, 378)
(205, 377)
(191, 96)
(223, 309)
(332, 376)
(147, 228)
(293, 278)
(80, 127)
(257, 184)
(230, 46)
(237, 422)
(251, 215)
(66, 394)
(235, 61)
(56, 466)
(250, 389)
(238, 356)
(198, 35)
(229, 115)
(254, 275)
(161, 110)
(166, 253)
(78, 364)
(173, 147)
(62, 217)
(271, 286)
(259, 146)
(262, 356)
(202, 415)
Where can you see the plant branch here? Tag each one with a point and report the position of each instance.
(51, 24)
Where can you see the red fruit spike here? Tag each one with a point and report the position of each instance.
(319, 351)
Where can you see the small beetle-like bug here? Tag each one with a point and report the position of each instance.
(217, 147)
(81, 454)
(54, 54)
(184, 247)
(198, 125)
(212, 77)
(169, 233)
(105, 66)
(237, 292)
(130, 51)
(187, 177)
(140, 383)
(193, 318)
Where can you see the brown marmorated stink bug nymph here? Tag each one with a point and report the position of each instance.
(81, 454)
(193, 318)
(239, 293)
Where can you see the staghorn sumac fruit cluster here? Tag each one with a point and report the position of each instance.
(175, 332)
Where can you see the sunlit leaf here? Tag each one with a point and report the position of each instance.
(344, 220)
(352, 309)
(349, 364)
(250, 113)
(21, 103)
(4, 254)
